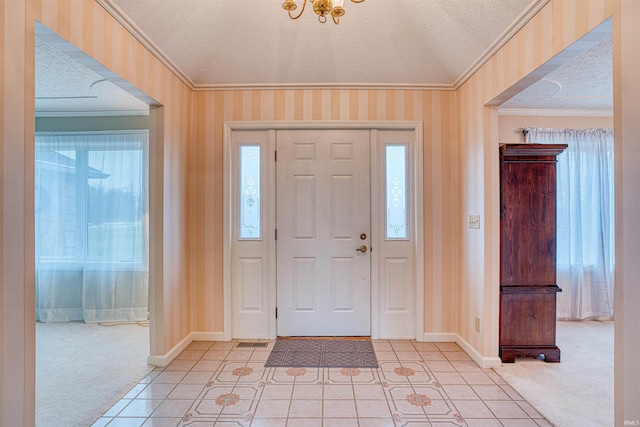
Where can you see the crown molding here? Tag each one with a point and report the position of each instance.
(543, 112)
(119, 15)
(519, 22)
(326, 86)
(96, 113)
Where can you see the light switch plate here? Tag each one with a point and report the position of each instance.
(474, 221)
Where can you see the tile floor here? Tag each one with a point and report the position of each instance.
(417, 384)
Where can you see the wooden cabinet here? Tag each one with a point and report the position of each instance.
(528, 251)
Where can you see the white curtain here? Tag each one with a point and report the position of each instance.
(91, 200)
(585, 224)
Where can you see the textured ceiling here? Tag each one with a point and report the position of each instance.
(68, 82)
(379, 43)
(66, 87)
(585, 82)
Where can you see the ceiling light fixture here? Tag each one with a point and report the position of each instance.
(321, 7)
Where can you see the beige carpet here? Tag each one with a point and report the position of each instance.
(578, 391)
(83, 369)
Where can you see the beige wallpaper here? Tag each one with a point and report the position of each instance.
(442, 199)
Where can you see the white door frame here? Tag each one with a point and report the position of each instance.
(416, 156)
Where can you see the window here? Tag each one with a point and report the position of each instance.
(250, 192)
(396, 191)
(90, 202)
(585, 243)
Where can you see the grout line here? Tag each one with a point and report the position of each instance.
(378, 379)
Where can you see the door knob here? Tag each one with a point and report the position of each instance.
(362, 249)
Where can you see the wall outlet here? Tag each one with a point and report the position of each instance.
(477, 324)
(474, 221)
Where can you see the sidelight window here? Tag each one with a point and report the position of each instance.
(396, 191)
(250, 192)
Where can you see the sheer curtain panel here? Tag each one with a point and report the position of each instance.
(585, 223)
(91, 199)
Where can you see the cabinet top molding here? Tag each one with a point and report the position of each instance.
(531, 149)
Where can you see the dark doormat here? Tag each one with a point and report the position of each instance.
(305, 353)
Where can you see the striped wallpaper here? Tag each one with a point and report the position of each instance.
(435, 108)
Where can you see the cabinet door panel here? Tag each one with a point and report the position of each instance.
(528, 319)
(528, 224)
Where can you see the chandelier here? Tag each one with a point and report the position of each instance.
(321, 7)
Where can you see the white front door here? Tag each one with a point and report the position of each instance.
(323, 233)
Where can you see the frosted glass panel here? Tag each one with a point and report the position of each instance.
(396, 191)
(250, 206)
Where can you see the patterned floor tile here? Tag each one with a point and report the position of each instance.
(213, 390)
(447, 423)
(266, 422)
(338, 391)
(339, 409)
(189, 354)
(368, 391)
(506, 409)
(186, 391)
(373, 408)
(379, 422)
(162, 422)
(219, 384)
(441, 409)
(156, 391)
(181, 365)
(304, 422)
(170, 377)
(490, 392)
(197, 377)
(434, 392)
(273, 409)
(386, 355)
(361, 376)
(172, 408)
(277, 391)
(305, 408)
(199, 422)
(140, 408)
(307, 391)
(397, 376)
(199, 345)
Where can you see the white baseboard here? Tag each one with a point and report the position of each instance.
(440, 337)
(207, 336)
(483, 362)
(166, 359)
